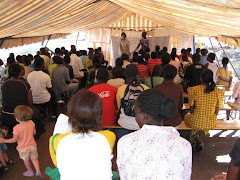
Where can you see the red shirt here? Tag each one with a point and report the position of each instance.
(108, 95)
(152, 63)
(143, 71)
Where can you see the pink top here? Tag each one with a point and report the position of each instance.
(25, 133)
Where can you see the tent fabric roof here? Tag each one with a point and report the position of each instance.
(36, 18)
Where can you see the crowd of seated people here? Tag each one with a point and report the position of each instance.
(143, 94)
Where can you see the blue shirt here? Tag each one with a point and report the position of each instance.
(203, 60)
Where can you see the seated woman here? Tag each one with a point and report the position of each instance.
(119, 76)
(85, 152)
(14, 92)
(156, 78)
(205, 101)
(154, 151)
(224, 75)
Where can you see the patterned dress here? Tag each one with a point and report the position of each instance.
(204, 117)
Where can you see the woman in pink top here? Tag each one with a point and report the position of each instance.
(23, 134)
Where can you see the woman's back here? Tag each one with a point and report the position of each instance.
(154, 152)
(85, 156)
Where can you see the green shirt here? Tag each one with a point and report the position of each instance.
(156, 81)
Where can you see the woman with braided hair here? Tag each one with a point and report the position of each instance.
(205, 101)
(154, 151)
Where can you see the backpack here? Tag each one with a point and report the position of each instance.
(130, 96)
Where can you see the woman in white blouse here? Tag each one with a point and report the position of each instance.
(154, 151)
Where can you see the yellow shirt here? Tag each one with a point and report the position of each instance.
(224, 73)
(121, 91)
(50, 68)
(89, 66)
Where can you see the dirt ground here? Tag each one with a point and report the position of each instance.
(205, 165)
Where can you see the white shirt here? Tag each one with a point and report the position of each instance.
(77, 65)
(175, 63)
(154, 152)
(85, 157)
(39, 82)
(214, 68)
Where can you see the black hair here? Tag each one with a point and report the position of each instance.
(10, 61)
(119, 62)
(169, 72)
(125, 57)
(30, 56)
(118, 72)
(63, 48)
(57, 51)
(135, 54)
(164, 49)
(11, 55)
(102, 75)
(147, 56)
(184, 58)
(156, 104)
(84, 52)
(154, 55)
(73, 51)
(39, 62)
(207, 78)
(225, 61)
(157, 48)
(99, 49)
(196, 58)
(173, 53)
(14, 70)
(157, 70)
(165, 59)
(204, 51)
(19, 59)
(189, 50)
(211, 56)
(124, 34)
(144, 33)
(26, 60)
(198, 50)
(182, 50)
(58, 60)
(67, 59)
(140, 59)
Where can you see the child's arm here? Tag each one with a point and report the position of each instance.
(12, 140)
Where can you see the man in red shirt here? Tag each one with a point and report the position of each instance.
(143, 69)
(108, 95)
(153, 61)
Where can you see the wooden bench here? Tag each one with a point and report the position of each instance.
(221, 125)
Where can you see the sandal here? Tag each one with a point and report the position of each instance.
(11, 162)
(28, 174)
(200, 146)
(5, 168)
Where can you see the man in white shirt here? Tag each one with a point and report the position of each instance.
(39, 82)
(77, 65)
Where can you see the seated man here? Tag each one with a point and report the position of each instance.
(76, 64)
(153, 61)
(192, 75)
(126, 97)
(108, 95)
(39, 82)
(61, 80)
(174, 91)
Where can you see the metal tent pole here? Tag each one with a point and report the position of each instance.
(228, 58)
(214, 51)
(76, 40)
(48, 39)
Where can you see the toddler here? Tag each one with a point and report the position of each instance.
(23, 134)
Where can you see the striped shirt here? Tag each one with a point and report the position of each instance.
(152, 63)
(143, 71)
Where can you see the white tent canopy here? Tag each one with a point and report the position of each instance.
(28, 20)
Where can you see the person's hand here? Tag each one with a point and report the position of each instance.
(220, 177)
(1, 140)
(5, 132)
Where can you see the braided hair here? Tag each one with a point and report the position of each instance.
(156, 104)
(207, 78)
